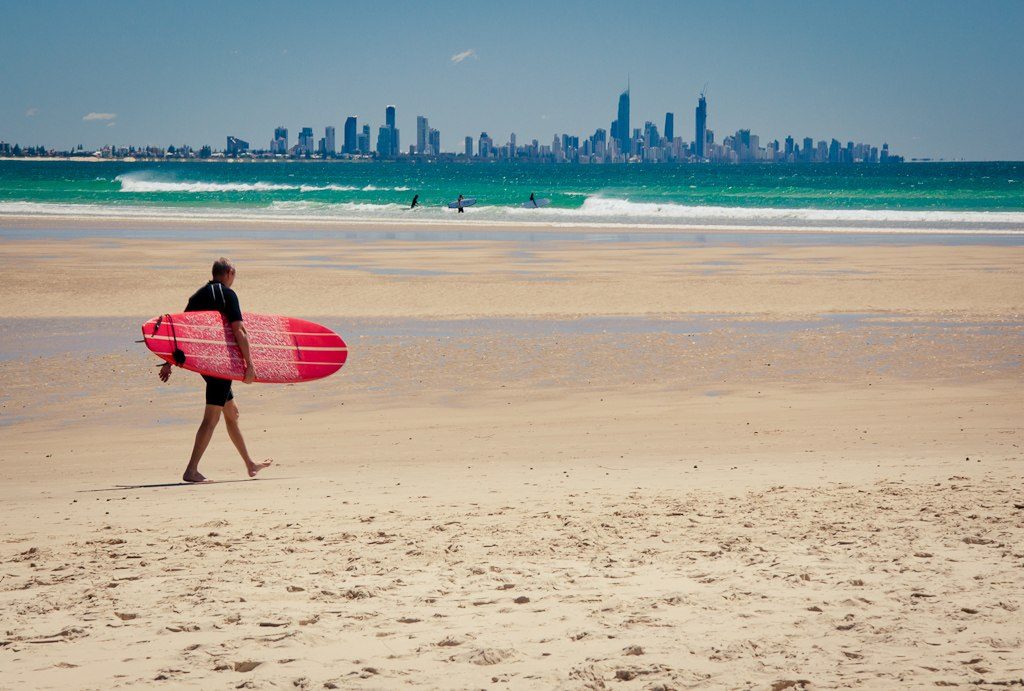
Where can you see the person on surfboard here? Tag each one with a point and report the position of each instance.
(217, 296)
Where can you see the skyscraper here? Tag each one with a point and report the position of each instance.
(469, 147)
(384, 141)
(329, 143)
(351, 144)
(364, 140)
(279, 144)
(700, 132)
(833, 151)
(435, 142)
(670, 126)
(622, 123)
(422, 135)
(306, 144)
(389, 122)
(485, 145)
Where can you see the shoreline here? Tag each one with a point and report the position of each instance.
(199, 221)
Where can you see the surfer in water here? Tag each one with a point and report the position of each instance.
(217, 296)
(415, 201)
(461, 209)
(533, 200)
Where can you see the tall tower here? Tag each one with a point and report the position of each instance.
(622, 123)
(329, 144)
(670, 126)
(351, 144)
(389, 122)
(700, 134)
(422, 135)
(279, 145)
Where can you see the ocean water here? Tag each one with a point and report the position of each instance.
(963, 198)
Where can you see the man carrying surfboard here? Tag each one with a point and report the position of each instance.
(218, 296)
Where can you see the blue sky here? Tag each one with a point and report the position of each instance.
(932, 78)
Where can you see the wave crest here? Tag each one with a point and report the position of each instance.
(142, 183)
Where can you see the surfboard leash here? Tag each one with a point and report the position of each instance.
(178, 354)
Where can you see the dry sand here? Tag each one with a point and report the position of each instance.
(583, 465)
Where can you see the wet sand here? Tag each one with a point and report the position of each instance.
(547, 464)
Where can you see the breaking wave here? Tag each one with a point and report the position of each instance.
(141, 183)
(144, 184)
(594, 212)
(610, 207)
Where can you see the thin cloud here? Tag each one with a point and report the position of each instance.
(464, 55)
(99, 116)
(31, 112)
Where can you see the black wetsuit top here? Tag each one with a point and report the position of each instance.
(216, 297)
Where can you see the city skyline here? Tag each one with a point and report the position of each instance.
(617, 144)
(933, 79)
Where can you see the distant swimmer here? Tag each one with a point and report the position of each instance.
(534, 203)
(415, 201)
(461, 203)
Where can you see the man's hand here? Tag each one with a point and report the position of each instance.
(165, 372)
(250, 374)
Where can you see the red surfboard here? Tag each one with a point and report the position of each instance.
(283, 349)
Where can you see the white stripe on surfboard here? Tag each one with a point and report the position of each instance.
(253, 329)
(182, 339)
(259, 360)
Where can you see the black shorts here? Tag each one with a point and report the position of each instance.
(218, 391)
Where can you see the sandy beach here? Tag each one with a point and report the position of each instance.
(547, 464)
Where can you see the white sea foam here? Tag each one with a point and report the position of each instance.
(140, 183)
(326, 188)
(609, 207)
(596, 212)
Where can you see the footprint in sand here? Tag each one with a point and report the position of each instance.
(488, 656)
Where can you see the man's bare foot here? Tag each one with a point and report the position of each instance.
(194, 476)
(257, 467)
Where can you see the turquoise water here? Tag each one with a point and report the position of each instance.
(963, 197)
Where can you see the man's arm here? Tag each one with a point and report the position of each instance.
(242, 339)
